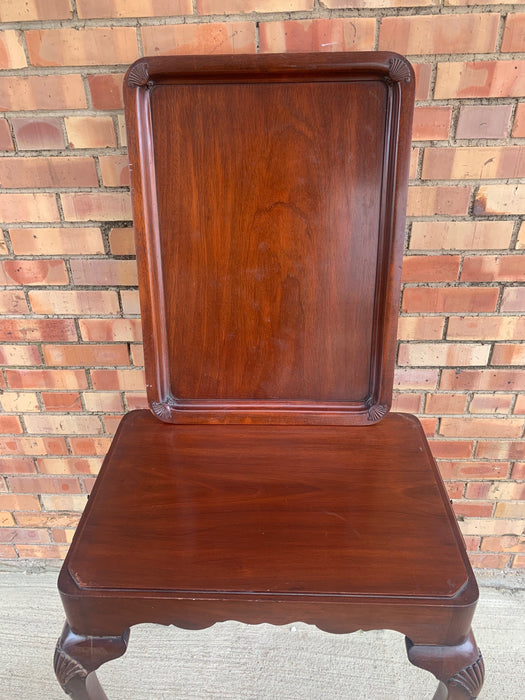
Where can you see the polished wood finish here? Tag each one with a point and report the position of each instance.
(269, 196)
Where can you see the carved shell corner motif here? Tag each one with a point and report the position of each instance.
(398, 70)
(377, 411)
(470, 678)
(162, 409)
(67, 668)
(138, 76)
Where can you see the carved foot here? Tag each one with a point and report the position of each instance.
(77, 657)
(459, 669)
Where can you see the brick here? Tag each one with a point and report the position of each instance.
(423, 73)
(520, 404)
(445, 403)
(489, 268)
(450, 299)
(519, 562)
(491, 403)
(137, 355)
(10, 425)
(340, 34)
(461, 235)
(8, 552)
(130, 302)
(104, 330)
(56, 241)
(409, 403)
(501, 450)
(85, 46)
(518, 129)
(379, 4)
(431, 123)
(480, 79)
(19, 402)
(34, 10)
(489, 561)
(121, 130)
(452, 449)
(483, 121)
(118, 380)
(455, 489)
(103, 401)
(429, 425)
(473, 163)
(46, 330)
(410, 378)
(90, 132)
(114, 170)
(510, 510)
(46, 379)
(3, 245)
(478, 489)
(33, 272)
(482, 380)
(486, 328)
(106, 90)
(63, 401)
(6, 520)
(74, 303)
(95, 9)
(111, 423)
(230, 37)
(70, 465)
(136, 399)
(122, 241)
(10, 501)
(12, 54)
(513, 299)
(514, 33)
(420, 328)
(23, 535)
(443, 354)
(446, 200)
(473, 470)
(62, 536)
(508, 354)
(431, 268)
(62, 424)
(86, 355)
(23, 355)
(18, 465)
(42, 92)
(518, 470)
(6, 142)
(463, 509)
(506, 543)
(226, 7)
(506, 491)
(414, 162)
(47, 519)
(89, 446)
(520, 242)
(33, 446)
(38, 133)
(104, 272)
(43, 484)
(13, 302)
(96, 206)
(439, 34)
(51, 551)
(21, 206)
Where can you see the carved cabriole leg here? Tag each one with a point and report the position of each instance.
(77, 658)
(459, 669)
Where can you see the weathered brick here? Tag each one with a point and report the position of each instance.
(94, 9)
(473, 163)
(480, 79)
(6, 141)
(520, 241)
(46, 379)
(6, 520)
(96, 206)
(431, 123)
(46, 92)
(106, 90)
(122, 241)
(439, 34)
(226, 7)
(426, 200)
(514, 33)
(56, 241)
(510, 510)
(491, 403)
(341, 4)
(445, 403)
(105, 329)
(103, 401)
(34, 10)
(488, 268)
(508, 354)
(230, 37)
(117, 380)
(16, 207)
(104, 272)
(85, 46)
(338, 34)
(23, 535)
(482, 380)
(450, 299)
(505, 543)
(43, 484)
(67, 502)
(431, 268)
(33, 272)
(12, 54)
(86, 355)
(19, 402)
(33, 446)
(480, 560)
(13, 302)
(71, 465)
(483, 121)
(464, 509)
(420, 328)
(63, 401)
(518, 129)
(486, 328)
(443, 354)
(19, 355)
(74, 303)
(461, 235)
(114, 170)
(42, 551)
(473, 469)
(90, 132)
(38, 133)
(513, 299)
(62, 424)
(502, 449)
(46, 330)
(415, 378)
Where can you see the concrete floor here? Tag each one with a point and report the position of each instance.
(234, 661)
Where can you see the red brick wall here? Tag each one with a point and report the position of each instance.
(70, 329)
